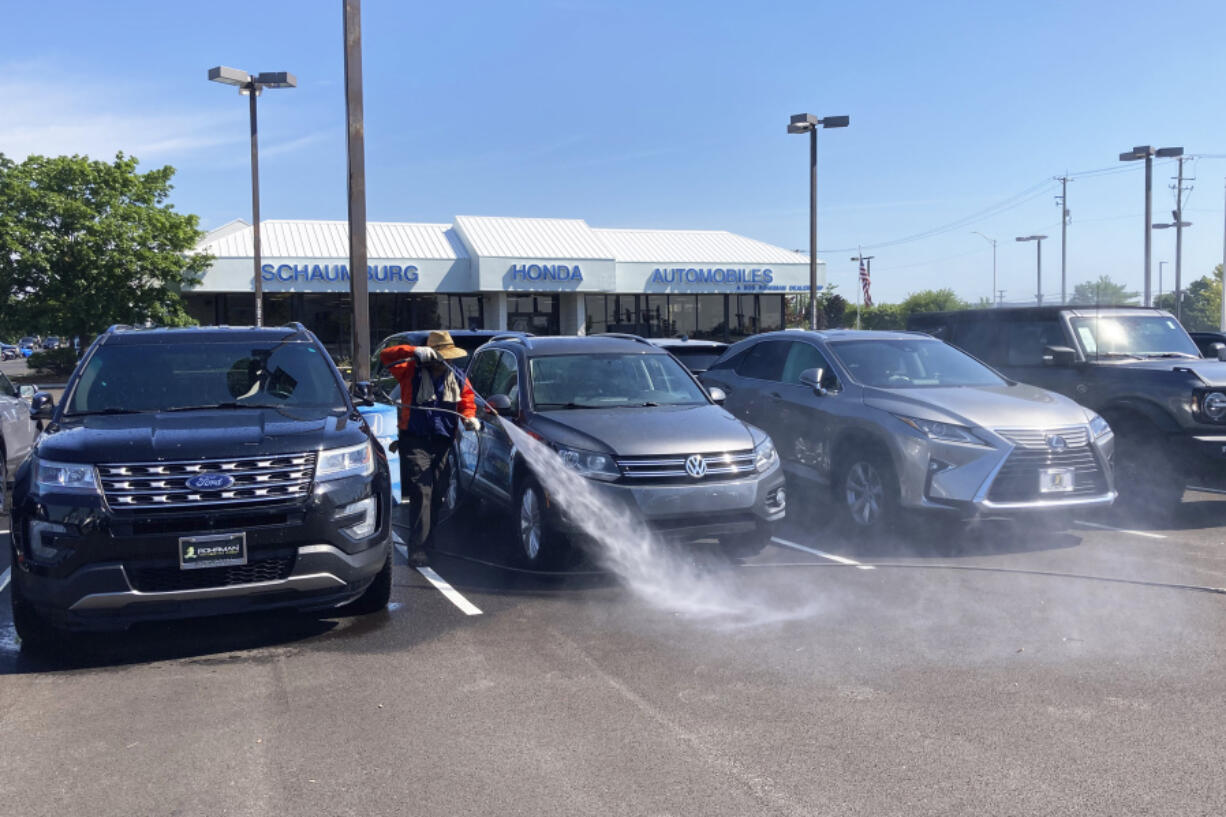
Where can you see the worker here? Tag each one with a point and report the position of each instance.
(427, 382)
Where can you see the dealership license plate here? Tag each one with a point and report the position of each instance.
(214, 550)
(1055, 480)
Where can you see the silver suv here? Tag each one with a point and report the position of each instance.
(894, 420)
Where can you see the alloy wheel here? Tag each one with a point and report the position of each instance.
(865, 493)
(530, 523)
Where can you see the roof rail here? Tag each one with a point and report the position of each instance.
(519, 338)
(623, 336)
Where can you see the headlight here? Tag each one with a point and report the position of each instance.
(764, 455)
(590, 464)
(65, 476)
(1099, 427)
(354, 461)
(945, 432)
(1213, 406)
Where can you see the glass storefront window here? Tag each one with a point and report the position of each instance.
(743, 315)
(656, 317)
(597, 320)
(770, 313)
(712, 320)
(201, 308)
(537, 314)
(277, 311)
(683, 314)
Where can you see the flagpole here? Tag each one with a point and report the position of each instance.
(859, 284)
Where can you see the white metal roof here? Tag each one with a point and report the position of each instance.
(693, 246)
(495, 237)
(330, 239)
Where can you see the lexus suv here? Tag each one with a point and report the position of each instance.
(626, 415)
(888, 421)
(192, 472)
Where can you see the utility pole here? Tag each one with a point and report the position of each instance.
(356, 144)
(1222, 319)
(1064, 219)
(1179, 225)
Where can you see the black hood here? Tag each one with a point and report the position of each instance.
(192, 435)
(647, 430)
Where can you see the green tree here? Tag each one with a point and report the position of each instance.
(85, 244)
(931, 300)
(1202, 302)
(835, 307)
(1103, 292)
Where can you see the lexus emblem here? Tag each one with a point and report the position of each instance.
(1057, 443)
(696, 466)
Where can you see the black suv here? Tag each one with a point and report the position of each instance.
(626, 415)
(1135, 366)
(191, 472)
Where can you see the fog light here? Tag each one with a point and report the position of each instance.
(366, 526)
(776, 500)
(43, 545)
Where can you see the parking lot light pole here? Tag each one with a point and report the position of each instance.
(993, 243)
(252, 86)
(1148, 153)
(808, 123)
(1178, 225)
(1038, 258)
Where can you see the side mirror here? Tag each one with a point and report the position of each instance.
(717, 395)
(27, 392)
(1220, 349)
(500, 403)
(1059, 356)
(813, 378)
(41, 406)
(363, 393)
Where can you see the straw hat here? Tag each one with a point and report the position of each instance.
(441, 342)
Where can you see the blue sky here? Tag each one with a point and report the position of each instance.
(668, 114)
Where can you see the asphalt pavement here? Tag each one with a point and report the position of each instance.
(1005, 669)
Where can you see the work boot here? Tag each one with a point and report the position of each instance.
(418, 558)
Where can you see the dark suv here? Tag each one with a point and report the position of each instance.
(626, 415)
(191, 472)
(1135, 366)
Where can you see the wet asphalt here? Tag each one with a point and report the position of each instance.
(985, 671)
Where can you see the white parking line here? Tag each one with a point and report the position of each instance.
(450, 592)
(843, 560)
(4, 578)
(1146, 534)
(403, 551)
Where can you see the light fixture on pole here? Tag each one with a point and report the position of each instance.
(1179, 225)
(808, 123)
(1148, 153)
(252, 85)
(1038, 258)
(993, 242)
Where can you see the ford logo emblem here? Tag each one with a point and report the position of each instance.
(1057, 443)
(210, 482)
(696, 466)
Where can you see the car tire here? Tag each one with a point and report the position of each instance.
(377, 595)
(1150, 488)
(539, 543)
(37, 635)
(866, 491)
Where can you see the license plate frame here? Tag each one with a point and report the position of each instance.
(1057, 480)
(212, 550)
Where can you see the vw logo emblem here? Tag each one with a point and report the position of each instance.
(210, 482)
(1057, 443)
(696, 466)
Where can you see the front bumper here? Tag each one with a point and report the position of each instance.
(1199, 458)
(699, 509)
(1004, 478)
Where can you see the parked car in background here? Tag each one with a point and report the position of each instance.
(17, 433)
(626, 415)
(1209, 343)
(51, 342)
(1135, 366)
(9, 351)
(888, 421)
(28, 346)
(195, 472)
(695, 355)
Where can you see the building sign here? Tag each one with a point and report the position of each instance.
(384, 273)
(545, 272)
(724, 276)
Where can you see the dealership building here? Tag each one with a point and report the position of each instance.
(542, 275)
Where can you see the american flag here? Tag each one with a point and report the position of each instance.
(864, 282)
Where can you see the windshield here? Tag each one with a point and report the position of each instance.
(152, 377)
(905, 364)
(1133, 336)
(600, 381)
(697, 359)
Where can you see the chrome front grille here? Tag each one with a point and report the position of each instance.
(1018, 478)
(1037, 438)
(162, 485)
(719, 465)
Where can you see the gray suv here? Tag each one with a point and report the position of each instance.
(626, 415)
(894, 420)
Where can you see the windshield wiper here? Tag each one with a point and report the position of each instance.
(107, 410)
(1171, 354)
(568, 405)
(227, 405)
(1129, 355)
